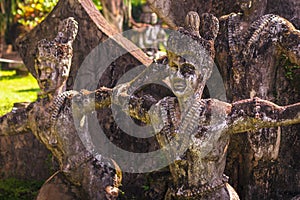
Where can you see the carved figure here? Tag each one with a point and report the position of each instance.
(206, 124)
(268, 30)
(53, 59)
(152, 37)
(250, 49)
(53, 62)
(50, 120)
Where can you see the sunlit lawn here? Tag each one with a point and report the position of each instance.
(14, 88)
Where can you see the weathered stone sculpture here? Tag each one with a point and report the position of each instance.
(250, 45)
(76, 162)
(52, 123)
(55, 115)
(92, 24)
(255, 48)
(198, 174)
(53, 59)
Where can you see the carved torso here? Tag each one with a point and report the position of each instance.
(198, 172)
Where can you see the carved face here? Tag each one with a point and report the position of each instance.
(184, 76)
(52, 66)
(47, 75)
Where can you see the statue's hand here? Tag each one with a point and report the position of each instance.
(254, 114)
(265, 110)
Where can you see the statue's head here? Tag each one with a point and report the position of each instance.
(53, 58)
(52, 65)
(154, 18)
(190, 58)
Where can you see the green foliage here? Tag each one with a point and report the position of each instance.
(138, 2)
(32, 12)
(98, 4)
(290, 71)
(15, 88)
(14, 189)
(289, 68)
(146, 187)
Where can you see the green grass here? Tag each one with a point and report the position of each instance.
(14, 189)
(14, 88)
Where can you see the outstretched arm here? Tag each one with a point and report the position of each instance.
(253, 114)
(154, 73)
(88, 101)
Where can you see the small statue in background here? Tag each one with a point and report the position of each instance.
(152, 37)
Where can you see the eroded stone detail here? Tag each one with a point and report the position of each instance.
(50, 119)
(246, 45)
(198, 174)
(53, 59)
(190, 171)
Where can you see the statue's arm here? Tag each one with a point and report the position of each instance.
(14, 123)
(154, 73)
(87, 101)
(290, 115)
(253, 114)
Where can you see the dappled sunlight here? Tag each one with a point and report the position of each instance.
(15, 88)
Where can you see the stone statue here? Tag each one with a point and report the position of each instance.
(53, 59)
(249, 46)
(253, 50)
(53, 62)
(152, 37)
(199, 128)
(206, 124)
(50, 120)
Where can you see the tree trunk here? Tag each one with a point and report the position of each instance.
(17, 150)
(114, 12)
